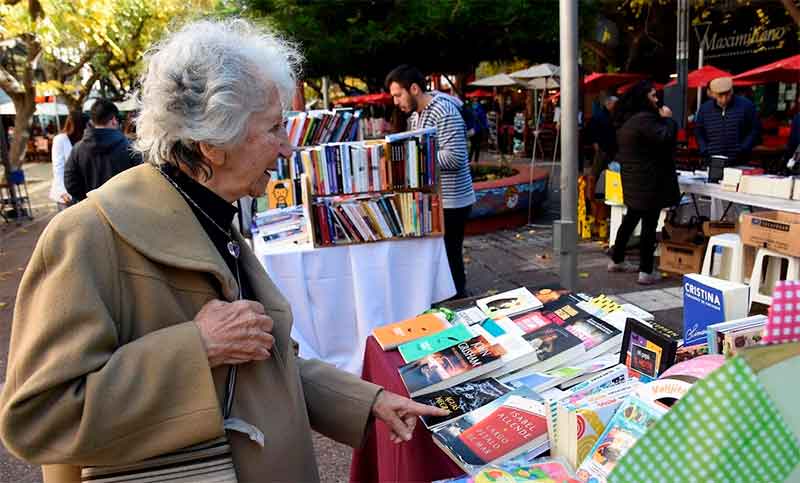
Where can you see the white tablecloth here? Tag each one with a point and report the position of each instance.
(339, 294)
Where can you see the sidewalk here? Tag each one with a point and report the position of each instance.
(494, 262)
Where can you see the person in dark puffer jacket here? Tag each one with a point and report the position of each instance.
(103, 153)
(645, 147)
(727, 125)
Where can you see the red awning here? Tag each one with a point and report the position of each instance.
(702, 76)
(598, 81)
(480, 93)
(623, 89)
(786, 70)
(378, 98)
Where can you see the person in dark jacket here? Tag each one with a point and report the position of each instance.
(727, 125)
(103, 153)
(645, 146)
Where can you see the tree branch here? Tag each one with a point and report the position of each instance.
(87, 56)
(9, 83)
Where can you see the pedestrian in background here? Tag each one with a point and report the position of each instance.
(439, 110)
(646, 137)
(62, 146)
(103, 153)
(727, 124)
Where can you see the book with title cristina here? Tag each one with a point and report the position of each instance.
(462, 362)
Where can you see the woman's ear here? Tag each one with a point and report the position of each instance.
(215, 155)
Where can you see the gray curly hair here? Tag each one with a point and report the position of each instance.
(202, 83)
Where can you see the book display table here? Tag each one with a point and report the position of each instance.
(718, 196)
(379, 459)
(339, 294)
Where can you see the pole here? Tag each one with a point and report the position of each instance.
(699, 89)
(682, 60)
(565, 232)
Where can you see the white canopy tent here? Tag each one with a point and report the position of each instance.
(499, 80)
(43, 109)
(538, 77)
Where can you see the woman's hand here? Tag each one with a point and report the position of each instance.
(400, 414)
(235, 332)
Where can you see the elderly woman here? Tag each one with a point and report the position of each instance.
(138, 301)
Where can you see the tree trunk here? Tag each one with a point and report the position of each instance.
(25, 105)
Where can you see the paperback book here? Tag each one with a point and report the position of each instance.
(454, 365)
(461, 399)
(630, 422)
(501, 430)
(419, 348)
(553, 346)
(707, 301)
(392, 335)
(519, 470)
(506, 304)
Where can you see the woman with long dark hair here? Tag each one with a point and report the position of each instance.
(646, 144)
(62, 146)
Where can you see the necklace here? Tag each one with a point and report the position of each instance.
(232, 245)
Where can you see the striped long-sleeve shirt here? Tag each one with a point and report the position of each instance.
(451, 138)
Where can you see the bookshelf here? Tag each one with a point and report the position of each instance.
(371, 191)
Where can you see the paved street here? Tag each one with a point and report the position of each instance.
(495, 262)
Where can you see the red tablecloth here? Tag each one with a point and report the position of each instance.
(381, 460)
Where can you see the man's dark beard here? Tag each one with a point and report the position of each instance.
(413, 104)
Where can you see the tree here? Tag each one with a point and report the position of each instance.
(68, 46)
(367, 39)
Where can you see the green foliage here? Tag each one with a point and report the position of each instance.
(369, 38)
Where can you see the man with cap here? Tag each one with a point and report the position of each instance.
(727, 124)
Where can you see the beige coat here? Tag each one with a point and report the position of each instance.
(106, 367)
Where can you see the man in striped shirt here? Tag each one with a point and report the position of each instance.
(435, 109)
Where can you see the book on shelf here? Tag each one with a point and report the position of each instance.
(419, 348)
(461, 399)
(648, 349)
(318, 127)
(392, 335)
(280, 193)
(498, 431)
(462, 362)
(521, 470)
(507, 304)
(348, 219)
(630, 422)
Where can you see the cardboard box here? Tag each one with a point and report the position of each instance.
(681, 258)
(776, 230)
(711, 228)
(767, 185)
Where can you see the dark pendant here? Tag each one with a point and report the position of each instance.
(233, 249)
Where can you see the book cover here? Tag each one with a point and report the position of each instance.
(461, 399)
(550, 341)
(519, 470)
(496, 432)
(519, 353)
(648, 349)
(587, 423)
(466, 360)
(707, 301)
(509, 303)
(629, 423)
(392, 335)
(716, 332)
(470, 316)
(419, 348)
(280, 193)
